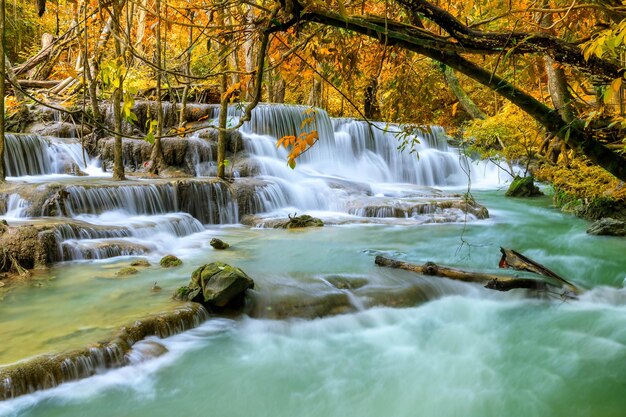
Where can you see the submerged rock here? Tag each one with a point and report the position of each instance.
(346, 283)
(219, 244)
(170, 261)
(140, 262)
(523, 187)
(125, 272)
(305, 220)
(426, 209)
(216, 286)
(608, 227)
(295, 222)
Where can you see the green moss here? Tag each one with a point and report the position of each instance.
(124, 272)
(523, 187)
(170, 261)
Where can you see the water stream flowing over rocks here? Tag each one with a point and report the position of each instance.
(80, 314)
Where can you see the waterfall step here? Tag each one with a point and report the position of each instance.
(209, 200)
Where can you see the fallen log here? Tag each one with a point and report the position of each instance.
(491, 281)
(38, 83)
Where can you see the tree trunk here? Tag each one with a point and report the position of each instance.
(279, 90)
(250, 54)
(371, 109)
(221, 135)
(466, 102)
(118, 160)
(2, 87)
(156, 157)
(315, 95)
(183, 106)
(141, 26)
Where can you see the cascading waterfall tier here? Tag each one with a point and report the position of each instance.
(38, 155)
(352, 158)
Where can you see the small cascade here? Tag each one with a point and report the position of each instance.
(48, 371)
(26, 155)
(208, 202)
(116, 234)
(141, 199)
(199, 155)
(16, 207)
(37, 155)
(77, 250)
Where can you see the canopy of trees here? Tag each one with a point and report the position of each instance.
(556, 65)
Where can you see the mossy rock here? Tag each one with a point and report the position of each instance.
(140, 262)
(216, 286)
(523, 187)
(602, 207)
(125, 272)
(305, 220)
(170, 261)
(347, 283)
(608, 227)
(219, 244)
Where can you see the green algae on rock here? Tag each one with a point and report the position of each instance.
(170, 261)
(216, 286)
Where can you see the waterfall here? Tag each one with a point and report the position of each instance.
(351, 158)
(37, 155)
(16, 207)
(208, 202)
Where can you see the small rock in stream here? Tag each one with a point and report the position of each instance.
(170, 261)
(219, 244)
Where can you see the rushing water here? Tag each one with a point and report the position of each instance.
(466, 351)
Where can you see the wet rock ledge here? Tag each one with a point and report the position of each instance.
(48, 371)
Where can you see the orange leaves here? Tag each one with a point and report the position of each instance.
(297, 145)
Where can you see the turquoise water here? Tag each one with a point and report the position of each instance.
(469, 351)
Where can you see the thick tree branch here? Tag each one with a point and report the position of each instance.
(574, 133)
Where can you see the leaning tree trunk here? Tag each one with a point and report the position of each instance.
(466, 102)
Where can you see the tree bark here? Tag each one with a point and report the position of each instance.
(491, 281)
(371, 109)
(575, 134)
(183, 106)
(223, 117)
(156, 157)
(2, 87)
(118, 160)
(466, 102)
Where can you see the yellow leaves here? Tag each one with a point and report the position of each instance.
(231, 90)
(616, 84)
(455, 106)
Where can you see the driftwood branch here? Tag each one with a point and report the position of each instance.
(491, 281)
(515, 260)
(496, 282)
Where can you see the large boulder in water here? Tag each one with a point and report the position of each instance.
(523, 187)
(608, 227)
(216, 286)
